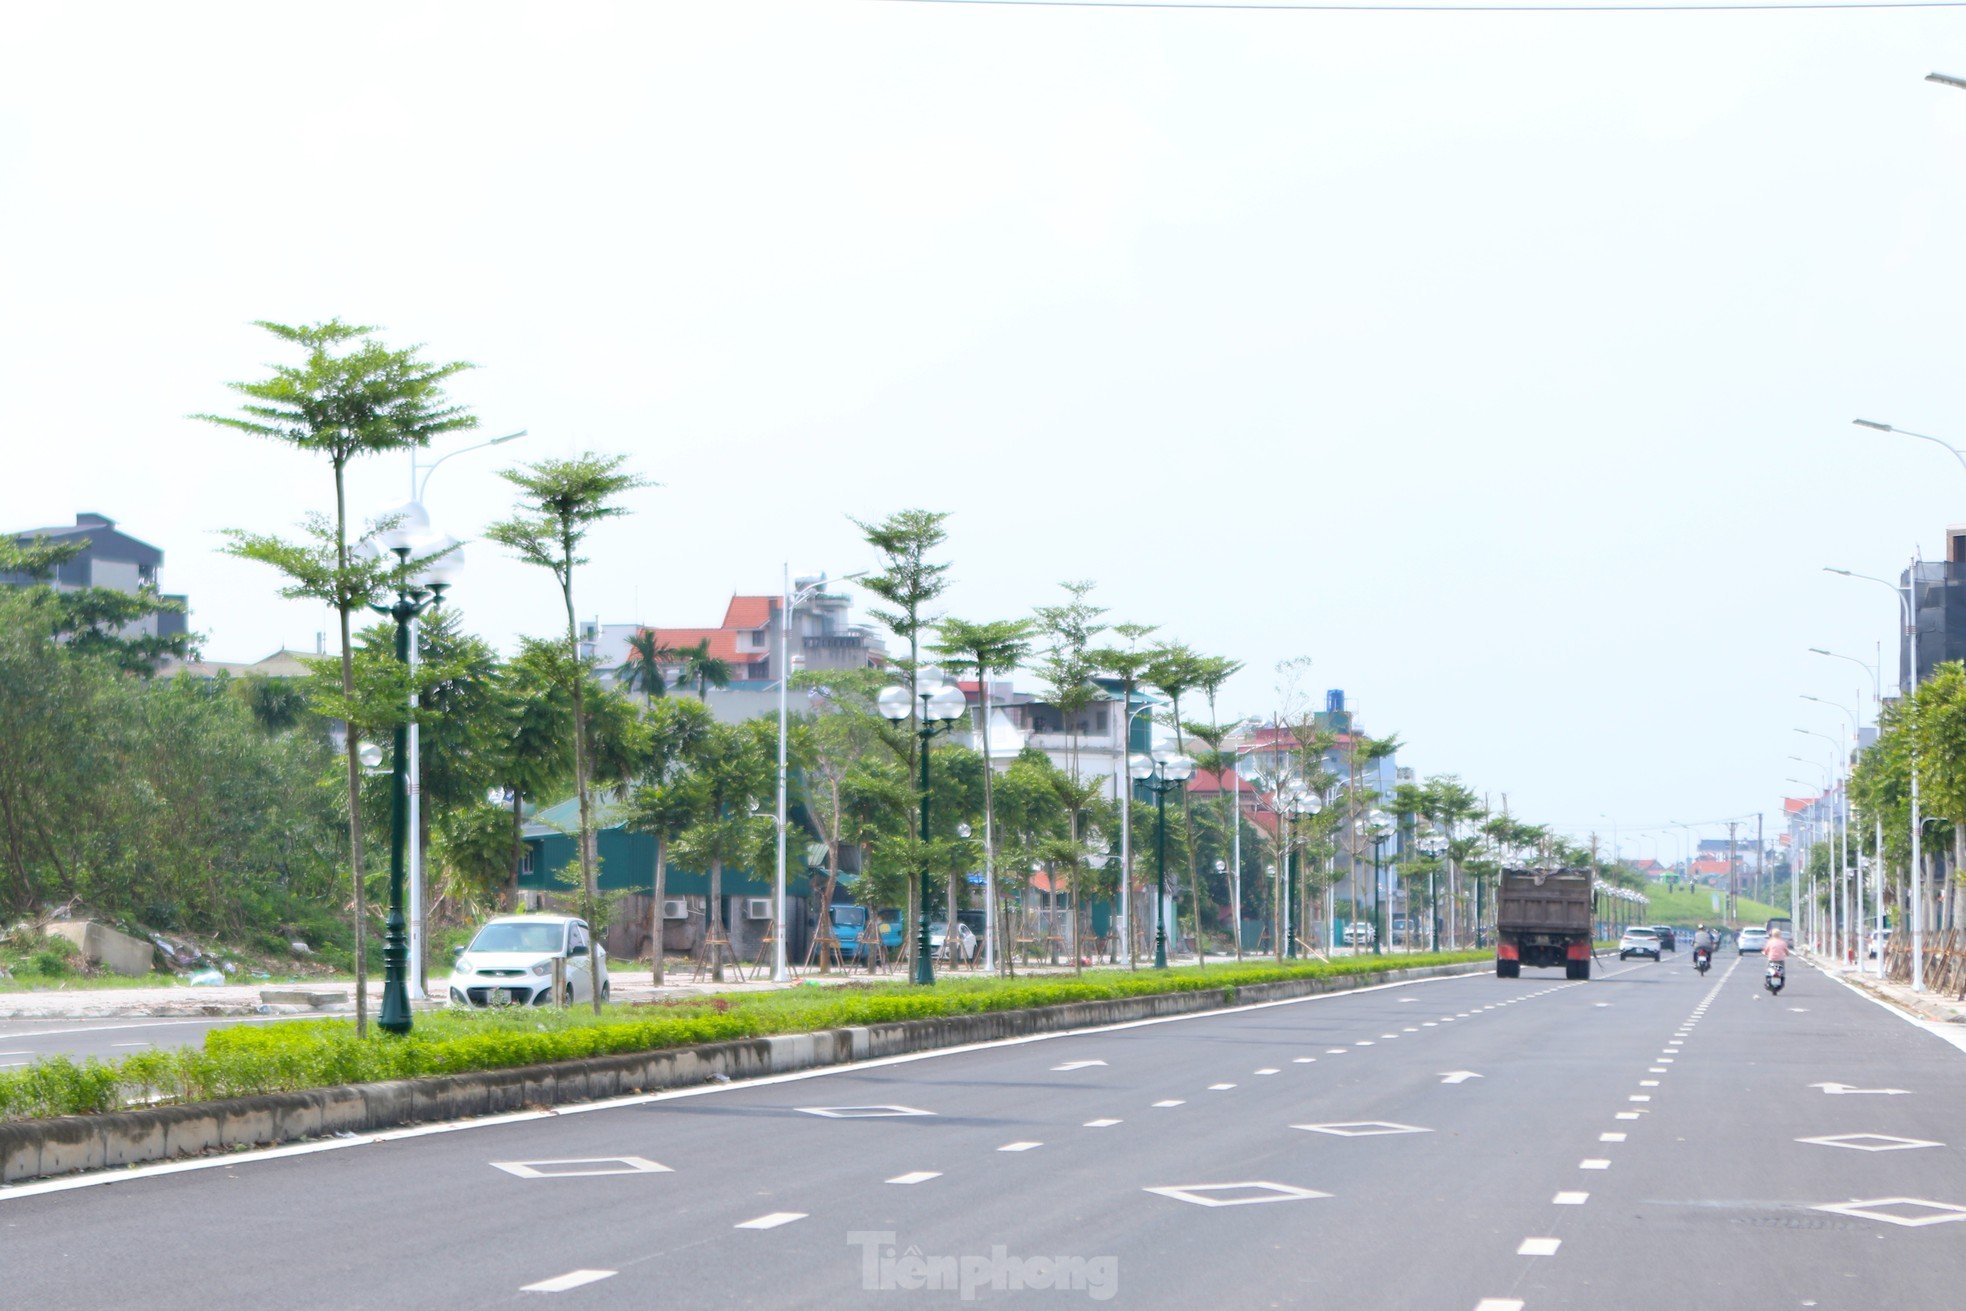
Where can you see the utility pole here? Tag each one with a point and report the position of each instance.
(1733, 874)
(1760, 862)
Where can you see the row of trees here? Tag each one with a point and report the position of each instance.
(1923, 732)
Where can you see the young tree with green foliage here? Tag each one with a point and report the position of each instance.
(997, 646)
(908, 583)
(560, 502)
(351, 397)
(731, 776)
(1129, 664)
(661, 806)
(642, 670)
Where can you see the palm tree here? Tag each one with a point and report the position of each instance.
(703, 669)
(642, 670)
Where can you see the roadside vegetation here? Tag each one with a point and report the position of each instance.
(250, 1059)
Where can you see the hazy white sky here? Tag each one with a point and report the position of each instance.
(1503, 364)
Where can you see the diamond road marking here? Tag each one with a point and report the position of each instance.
(1172, 1101)
(582, 1167)
(916, 1177)
(1870, 1142)
(1595, 1163)
(1019, 1147)
(1362, 1128)
(1570, 1199)
(571, 1279)
(1221, 1194)
(772, 1221)
(1539, 1247)
(1918, 1212)
(862, 1112)
(1100, 1124)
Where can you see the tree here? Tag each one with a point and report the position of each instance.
(909, 583)
(642, 670)
(661, 805)
(351, 397)
(560, 501)
(1177, 669)
(91, 620)
(997, 646)
(703, 669)
(731, 776)
(1129, 665)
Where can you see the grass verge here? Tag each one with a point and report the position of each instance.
(250, 1059)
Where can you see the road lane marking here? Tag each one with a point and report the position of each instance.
(1539, 1247)
(772, 1221)
(1335, 1051)
(1499, 1304)
(1304, 1060)
(1172, 1101)
(1363, 1042)
(598, 1164)
(1911, 1212)
(572, 1279)
(862, 1112)
(916, 1177)
(1266, 1070)
(1255, 1191)
(1220, 1087)
(1019, 1146)
(1100, 1124)
(1838, 1089)
(1076, 1065)
(1870, 1142)
(1570, 1199)
(1611, 1138)
(1457, 1076)
(1594, 1163)
(1648, 1083)
(1639, 1097)
(1362, 1128)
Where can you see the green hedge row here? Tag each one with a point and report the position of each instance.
(248, 1058)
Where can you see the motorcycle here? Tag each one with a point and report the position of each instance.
(1777, 976)
(1702, 958)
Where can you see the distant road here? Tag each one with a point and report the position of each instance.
(23, 1040)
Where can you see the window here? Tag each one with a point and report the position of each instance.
(578, 941)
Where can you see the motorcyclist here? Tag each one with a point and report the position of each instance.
(1778, 950)
(1705, 939)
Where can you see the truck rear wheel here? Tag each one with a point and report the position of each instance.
(1577, 969)
(1508, 969)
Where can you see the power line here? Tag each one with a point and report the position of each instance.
(1337, 6)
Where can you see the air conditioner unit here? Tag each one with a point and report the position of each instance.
(757, 908)
(675, 908)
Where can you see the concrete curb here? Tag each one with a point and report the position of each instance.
(38, 1149)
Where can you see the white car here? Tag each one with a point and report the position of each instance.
(1750, 939)
(1360, 933)
(938, 934)
(510, 962)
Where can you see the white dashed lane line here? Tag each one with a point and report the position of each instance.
(772, 1221)
(572, 1279)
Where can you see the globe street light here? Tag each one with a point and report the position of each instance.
(419, 587)
(1163, 772)
(1379, 827)
(941, 707)
(1300, 804)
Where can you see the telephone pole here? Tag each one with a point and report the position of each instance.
(1733, 874)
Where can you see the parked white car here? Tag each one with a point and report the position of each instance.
(510, 962)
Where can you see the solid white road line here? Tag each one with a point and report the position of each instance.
(572, 1279)
(772, 1221)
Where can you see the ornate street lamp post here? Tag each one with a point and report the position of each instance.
(941, 707)
(1298, 805)
(1163, 772)
(438, 561)
(1433, 846)
(1378, 826)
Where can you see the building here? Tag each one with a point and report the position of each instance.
(823, 636)
(109, 558)
(1095, 741)
(1938, 589)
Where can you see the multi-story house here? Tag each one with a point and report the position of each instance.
(109, 558)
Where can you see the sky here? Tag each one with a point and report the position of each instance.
(1501, 364)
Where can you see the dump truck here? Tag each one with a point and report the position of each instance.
(1543, 919)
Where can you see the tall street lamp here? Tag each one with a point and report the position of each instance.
(417, 591)
(1433, 846)
(1300, 804)
(418, 485)
(1379, 827)
(1163, 772)
(940, 708)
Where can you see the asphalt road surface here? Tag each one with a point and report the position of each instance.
(22, 1040)
(1472, 1144)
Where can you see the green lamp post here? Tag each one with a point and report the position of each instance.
(1163, 772)
(941, 707)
